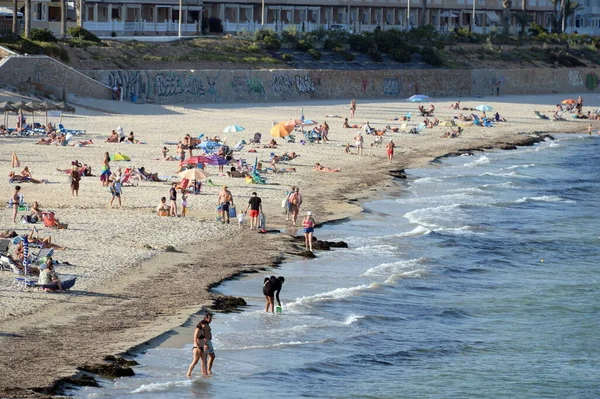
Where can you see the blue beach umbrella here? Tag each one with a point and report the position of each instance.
(233, 129)
(483, 108)
(418, 98)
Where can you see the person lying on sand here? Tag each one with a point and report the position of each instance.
(45, 242)
(281, 170)
(82, 143)
(14, 178)
(320, 168)
(452, 133)
(393, 129)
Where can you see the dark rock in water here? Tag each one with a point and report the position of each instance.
(337, 244)
(398, 173)
(307, 254)
(81, 381)
(109, 370)
(120, 361)
(327, 245)
(228, 304)
(508, 147)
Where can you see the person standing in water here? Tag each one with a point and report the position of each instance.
(198, 350)
(309, 227)
(209, 350)
(271, 289)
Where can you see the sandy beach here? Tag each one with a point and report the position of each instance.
(139, 275)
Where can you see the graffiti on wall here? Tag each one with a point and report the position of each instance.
(244, 85)
(255, 87)
(392, 86)
(282, 85)
(575, 79)
(305, 85)
(591, 81)
(148, 88)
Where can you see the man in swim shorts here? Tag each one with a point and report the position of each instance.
(255, 205)
(271, 288)
(224, 201)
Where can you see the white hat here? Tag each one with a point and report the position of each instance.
(308, 213)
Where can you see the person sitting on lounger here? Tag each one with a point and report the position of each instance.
(148, 175)
(456, 105)
(113, 138)
(131, 138)
(498, 118)
(82, 143)
(45, 242)
(319, 168)
(48, 276)
(367, 128)
(272, 144)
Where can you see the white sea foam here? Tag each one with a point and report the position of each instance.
(382, 248)
(351, 319)
(531, 165)
(418, 273)
(394, 267)
(162, 386)
(272, 346)
(506, 184)
(427, 180)
(417, 231)
(336, 294)
(479, 161)
(464, 230)
(545, 198)
(434, 216)
(511, 174)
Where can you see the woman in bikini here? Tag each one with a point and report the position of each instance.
(198, 349)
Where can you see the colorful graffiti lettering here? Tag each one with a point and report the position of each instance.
(255, 87)
(592, 81)
(391, 86)
(305, 85)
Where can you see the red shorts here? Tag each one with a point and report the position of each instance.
(390, 151)
(253, 213)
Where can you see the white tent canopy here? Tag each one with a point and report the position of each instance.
(8, 12)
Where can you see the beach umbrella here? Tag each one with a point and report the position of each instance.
(216, 160)
(20, 106)
(281, 130)
(483, 108)
(293, 122)
(64, 107)
(449, 123)
(196, 160)
(193, 174)
(120, 157)
(418, 98)
(568, 101)
(309, 122)
(7, 107)
(209, 145)
(233, 129)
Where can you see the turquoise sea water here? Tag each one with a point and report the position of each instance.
(475, 278)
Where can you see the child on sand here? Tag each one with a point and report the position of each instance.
(184, 204)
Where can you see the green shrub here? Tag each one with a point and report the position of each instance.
(316, 54)
(348, 56)
(55, 51)
(375, 54)
(401, 55)
(81, 43)
(42, 35)
(81, 33)
(272, 43)
(359, 43)
(431, 57)
(287, 57)
(261, 34)
(288, 36)
(304, 45)
(253, 48)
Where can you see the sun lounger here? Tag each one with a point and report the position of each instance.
(540, 115)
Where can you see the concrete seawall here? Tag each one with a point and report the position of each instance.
(45, 75)
(210, 86)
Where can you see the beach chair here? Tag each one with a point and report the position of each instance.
(417, 130)
(290, 138)
(50, 221)
(476, 120)
(539, 115)
(256, 138)
(41, 256)
(408, 116)
(377, 141)
(66, 284)
(404, 127)
(4, 260)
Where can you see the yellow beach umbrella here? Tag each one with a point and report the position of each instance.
(120, 157)
(281, 130)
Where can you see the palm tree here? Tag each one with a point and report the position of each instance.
(63, 19)
(523, 19)
(27, 18)
(424, 13)
(557, 10)
(570, 8)
(14, 21)
(506, 5)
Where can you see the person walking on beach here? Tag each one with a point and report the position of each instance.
(184, 203)
(359, 141)
(309, 227)
(390, 150)
(209, 350)
(255, 206)
(225, 200)
(75, 178)
(173, 198)
(295, 199)
(352, 107)
(287, 204)
(271, 289)
(198, 349)
(115, 190)
(15, 200)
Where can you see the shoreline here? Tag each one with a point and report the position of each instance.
(133, 313)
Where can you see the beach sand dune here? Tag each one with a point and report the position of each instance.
(129, 288)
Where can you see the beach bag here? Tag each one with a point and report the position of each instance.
(284, 203)
(218, 213)
(262, 222)
(232, 211)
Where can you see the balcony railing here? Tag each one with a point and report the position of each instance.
(139, 26)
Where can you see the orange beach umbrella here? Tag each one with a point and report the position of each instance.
(281, 130)
(568, 101)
